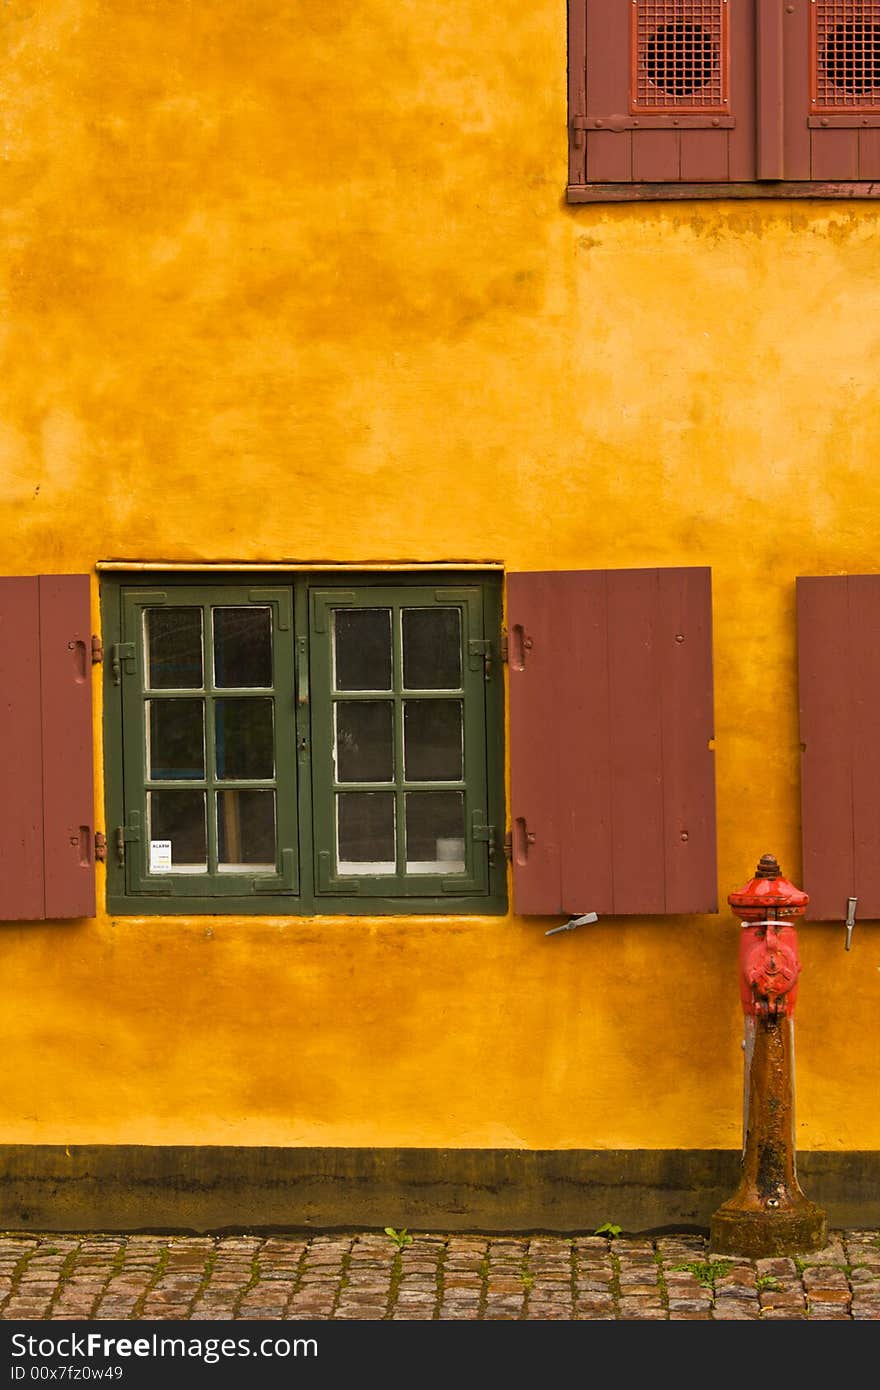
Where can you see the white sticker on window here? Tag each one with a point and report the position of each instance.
(160, 855)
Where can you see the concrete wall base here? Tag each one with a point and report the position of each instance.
(212, 1188)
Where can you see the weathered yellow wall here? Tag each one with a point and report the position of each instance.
(299, 281)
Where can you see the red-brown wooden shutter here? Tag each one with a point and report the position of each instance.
(21, 752)
(611, 717)
(46, 812)
(832, 90)
(838, 619)
(661, 91)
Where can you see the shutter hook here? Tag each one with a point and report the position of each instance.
(850, 920)
(572, 923)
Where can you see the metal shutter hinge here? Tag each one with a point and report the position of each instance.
(508, 845)
(97, 650)
(100, 847)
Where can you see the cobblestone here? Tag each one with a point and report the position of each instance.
(428, 1276)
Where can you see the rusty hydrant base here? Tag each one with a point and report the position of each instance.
(756, 1234)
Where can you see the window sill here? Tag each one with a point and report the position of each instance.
(681, 192)
(491, 905)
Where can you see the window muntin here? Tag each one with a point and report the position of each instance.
(269, 760)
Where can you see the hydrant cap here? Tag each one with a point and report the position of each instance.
(768, 889)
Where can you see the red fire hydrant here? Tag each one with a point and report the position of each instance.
(768, 1214)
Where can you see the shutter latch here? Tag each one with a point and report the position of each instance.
(484, 833)
(121, 652)
(480, 649)
(125, 834)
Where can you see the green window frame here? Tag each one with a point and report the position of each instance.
(304, 743)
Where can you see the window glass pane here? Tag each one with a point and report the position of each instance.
(432, 740)
(431, 648)
(435, 833)
(365, 833)
(242, 647)
(176, 739)
(362, 648)
(364, 741)
(244, 741)
(174, 648)
(179, 816)
(246, 829)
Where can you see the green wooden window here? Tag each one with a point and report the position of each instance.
(303, 747)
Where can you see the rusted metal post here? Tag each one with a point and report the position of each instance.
(768, 1214)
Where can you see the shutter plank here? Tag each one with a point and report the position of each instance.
(686, 691)
(21, 805)
(657, 156)
(607, 51)
(607, 74)
(826, 745)
(705, 156)
(577, 95)
(635, 742)
(863, 592)
(585, 787)
(869, 154)
(741, 21)
(796, 89)
(68, 782)
(535, 740)
(769, 70)
(834, 154)
(609, 156)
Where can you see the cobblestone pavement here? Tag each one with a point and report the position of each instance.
(370, 1275)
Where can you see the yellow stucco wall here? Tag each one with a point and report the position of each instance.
(299, 281)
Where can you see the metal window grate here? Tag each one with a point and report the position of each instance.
(679, 55)
(845, 54)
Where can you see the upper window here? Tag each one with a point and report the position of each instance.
(303, 742)
(720, 98)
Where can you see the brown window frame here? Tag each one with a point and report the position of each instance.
(787, 145)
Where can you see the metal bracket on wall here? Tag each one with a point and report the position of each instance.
(573, 922)
(850, 920)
